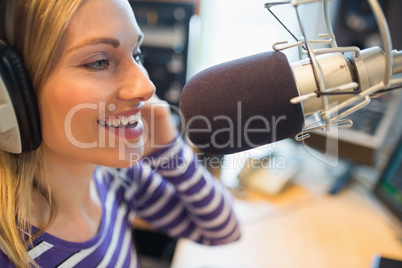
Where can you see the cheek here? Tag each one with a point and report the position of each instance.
(67, 116)
(61, 120)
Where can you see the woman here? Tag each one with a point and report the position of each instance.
(72, 202)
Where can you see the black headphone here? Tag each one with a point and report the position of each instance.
(19, 115)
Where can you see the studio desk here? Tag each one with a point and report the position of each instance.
(303, 226)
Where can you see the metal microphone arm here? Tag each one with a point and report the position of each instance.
(397, 69)
(360, 76)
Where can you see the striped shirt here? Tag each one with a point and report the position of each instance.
(171, 190)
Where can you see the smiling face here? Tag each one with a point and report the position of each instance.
(91, 101)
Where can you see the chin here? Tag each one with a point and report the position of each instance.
(126, 159)
(123, 155)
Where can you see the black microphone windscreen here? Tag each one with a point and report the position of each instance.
(241, 104)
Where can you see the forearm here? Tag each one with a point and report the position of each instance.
(192, 203)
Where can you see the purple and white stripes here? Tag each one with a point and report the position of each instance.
(170, 190)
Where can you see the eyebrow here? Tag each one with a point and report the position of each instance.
(102, 40)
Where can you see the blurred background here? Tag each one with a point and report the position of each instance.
(350, 193)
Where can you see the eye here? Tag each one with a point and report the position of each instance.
(139, 58)
(98, 65)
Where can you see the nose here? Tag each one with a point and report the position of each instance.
(135, 83)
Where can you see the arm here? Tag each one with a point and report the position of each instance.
(178, 196)
(174, 192)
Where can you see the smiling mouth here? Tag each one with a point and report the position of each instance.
(121, 121)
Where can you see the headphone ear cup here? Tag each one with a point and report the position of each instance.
(20, 90)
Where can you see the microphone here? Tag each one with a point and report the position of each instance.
(261, 99)
(241, 104)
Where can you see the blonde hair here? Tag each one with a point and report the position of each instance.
(33, 28)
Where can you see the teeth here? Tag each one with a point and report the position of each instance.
(124, 121)
(121, 121)
(132, 119)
